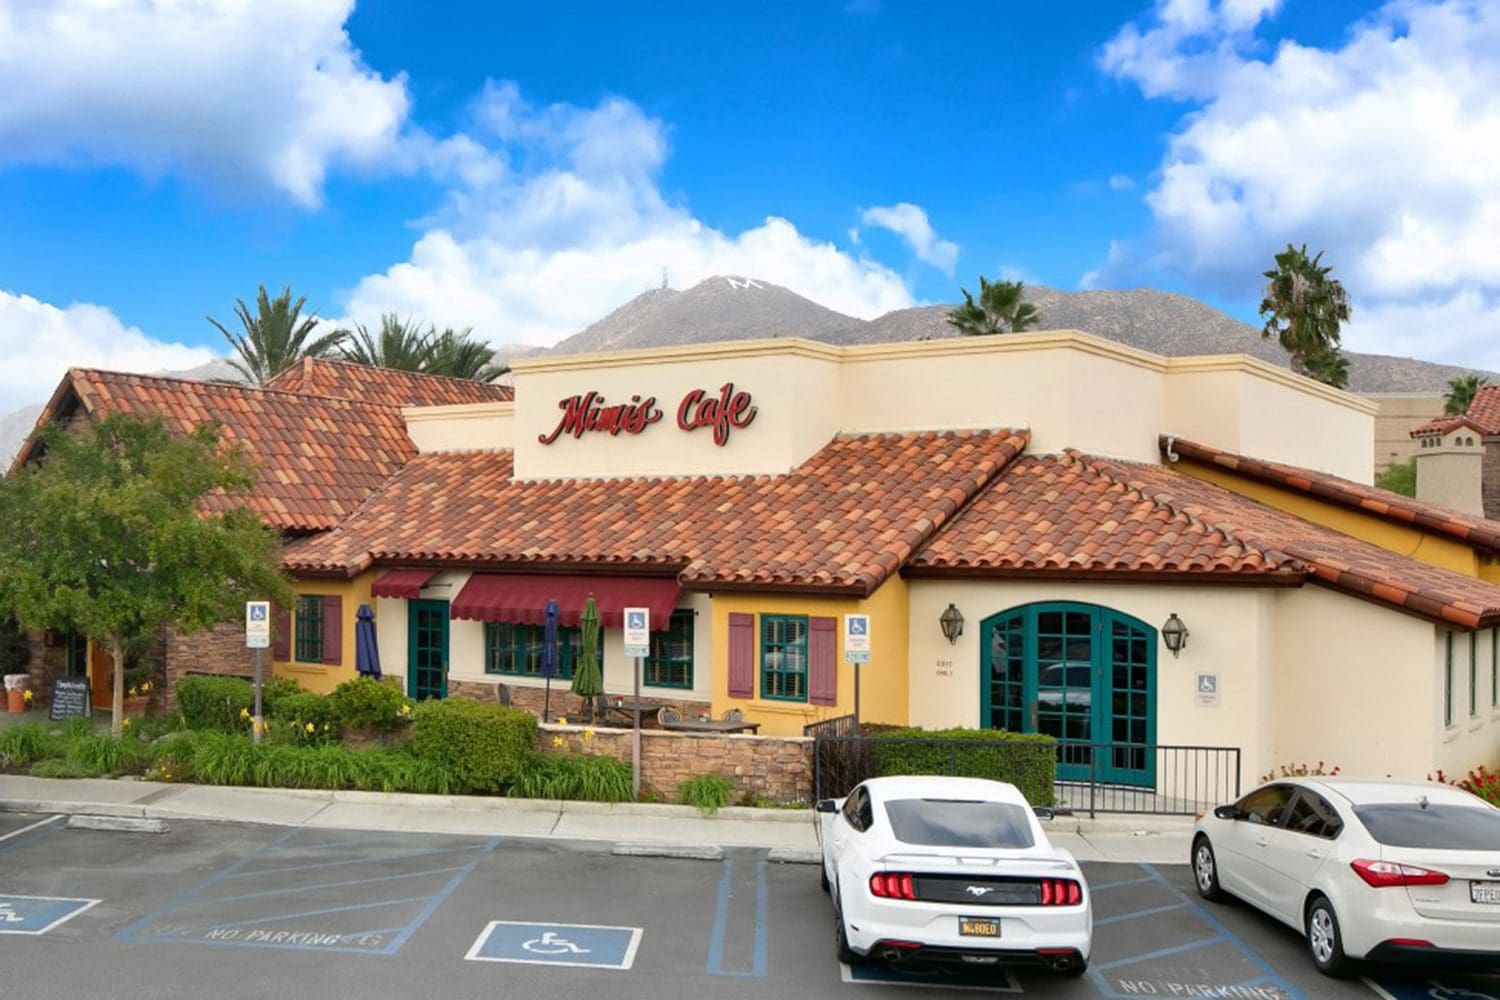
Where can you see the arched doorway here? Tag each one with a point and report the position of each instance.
(1081, 673)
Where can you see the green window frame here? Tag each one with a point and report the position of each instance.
(309, 644)
(512, 650)
(78, 655)
(1495, 668)
(1473, 675)
(1448, 682)
(783, 657)
(671, 661)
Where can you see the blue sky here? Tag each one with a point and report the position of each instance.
(522, 169)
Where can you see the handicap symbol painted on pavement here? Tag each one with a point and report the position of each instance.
(38, 914)
(1454, 986)
(589, 945)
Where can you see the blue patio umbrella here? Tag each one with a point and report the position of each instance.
(549, 653)
(366, 652)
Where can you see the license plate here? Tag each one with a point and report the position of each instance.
(1484, 892)
(978, 927)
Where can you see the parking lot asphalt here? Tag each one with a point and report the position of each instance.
(238, 910)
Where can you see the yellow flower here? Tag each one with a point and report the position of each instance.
(124, 723)
(588, 734)
(145, 686)
(562, 720)
(26, 697)
(244, 713)
(558, 741)
(311, 728)
(325, 727)
(130, 693)
(406, 709)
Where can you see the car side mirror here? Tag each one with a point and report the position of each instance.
(827, 805)
(1227, 812)
(1043, 813)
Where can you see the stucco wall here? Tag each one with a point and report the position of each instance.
(320, 677)
(475, 426)
(1474, 737)
(1400, 412)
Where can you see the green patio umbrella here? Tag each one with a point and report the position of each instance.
(588, 679)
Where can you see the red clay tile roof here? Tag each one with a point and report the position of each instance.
(1484, 409)
(331, 377)
(843, 521)
(1442, 425)
(1330, 557)
(1065, 515)
(318, 458)
(1476, 531)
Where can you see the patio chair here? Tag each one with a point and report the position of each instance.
(667, 715)
(502, 694)
(734, 715)
(601, 707)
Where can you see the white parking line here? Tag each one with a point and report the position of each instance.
(28, 829)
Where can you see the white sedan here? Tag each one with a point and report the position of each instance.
(1381, 870)
(951, 871)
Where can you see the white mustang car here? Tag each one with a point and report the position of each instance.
(1379, 870)
(951, 871)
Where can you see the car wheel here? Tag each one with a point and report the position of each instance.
(846, 954)
(1324, 942)
(1206, 870)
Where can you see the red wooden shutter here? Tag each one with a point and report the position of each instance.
(333, 630)
(281, 634)
(741, 655)
(823, 661)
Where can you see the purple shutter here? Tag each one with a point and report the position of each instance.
(281, 634)
(741, 655)
(333, 630)
(823, 661)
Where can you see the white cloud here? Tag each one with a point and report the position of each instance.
(240, 94)
(910, 222)
(1120, 182)
(1379, 151)
(536, 255)
(40, 342)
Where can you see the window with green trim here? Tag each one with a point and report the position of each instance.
(1448, 682)
(1473, 674)
(671, 661)
(783, 657)
(516, 650)
(1495, 668)
(309, 645)
(78, 654)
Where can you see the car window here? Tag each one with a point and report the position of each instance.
(1265, 805)
(1311, 814)
(959, 823)
(1444, 827)
(857, 808)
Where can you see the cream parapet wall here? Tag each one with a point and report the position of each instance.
(1072, 390)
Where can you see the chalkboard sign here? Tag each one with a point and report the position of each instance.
(70, 696)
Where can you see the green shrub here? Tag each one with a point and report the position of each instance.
(222, 759)
(708, 792)
(298, 711)
(482, 746)
(274, 690)
(365, 703)
(215, 702)
(26, 743)
(58, 767)
(153, 727)
(580, 778)
(100, 754)
(1026, 760)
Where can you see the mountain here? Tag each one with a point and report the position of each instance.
(735, 308)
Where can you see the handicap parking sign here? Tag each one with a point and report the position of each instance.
(38, 914)
(589, 945)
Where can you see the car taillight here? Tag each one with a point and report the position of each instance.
(893, 885)
(1384, 874)
(1061, 892)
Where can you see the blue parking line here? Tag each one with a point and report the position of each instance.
(715, 964)
(376, 859)
(1116, 885)
(308, 913)
(416, 922)
(1137, 914)
(1162, 952)
(294, 890)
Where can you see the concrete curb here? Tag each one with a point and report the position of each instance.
(690, 852)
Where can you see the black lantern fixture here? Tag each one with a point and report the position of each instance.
(952, 622)
(1175, 634)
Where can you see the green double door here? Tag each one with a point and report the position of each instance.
(1082, 674)
(427, 649)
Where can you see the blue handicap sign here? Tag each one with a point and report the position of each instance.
(637, 620)
(588, 945)
(38, 914)
(257, 613)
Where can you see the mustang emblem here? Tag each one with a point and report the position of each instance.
(980, 890)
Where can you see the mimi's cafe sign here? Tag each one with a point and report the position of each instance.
(591, 413)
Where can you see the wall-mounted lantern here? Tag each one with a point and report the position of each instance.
(1175, 634)
(952, 622)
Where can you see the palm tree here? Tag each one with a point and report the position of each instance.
(1461, 392)
(1304, 308)
(1001, 308)
(276, 337)
(1328, 366)
(403, 345)
(457, 354)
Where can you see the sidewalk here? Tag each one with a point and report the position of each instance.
(662, 829)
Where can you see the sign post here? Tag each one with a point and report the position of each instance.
(856, 650)
(258, 638)
(637, 645)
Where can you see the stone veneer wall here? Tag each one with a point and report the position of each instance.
(564, 704)
(46, 663)
(1489, 481)
(776, 767)
(219, 650)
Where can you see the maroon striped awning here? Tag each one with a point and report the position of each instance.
(521, 599)
(407, 583)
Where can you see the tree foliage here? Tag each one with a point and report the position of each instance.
(1461, 393)
(1002, 308)
(1304, 307)
(1399, 477)
(105, 536)
(276, 337)
(406, 346)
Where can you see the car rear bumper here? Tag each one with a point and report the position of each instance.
(1446, 958)
(901, 953)
(1024, 931)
